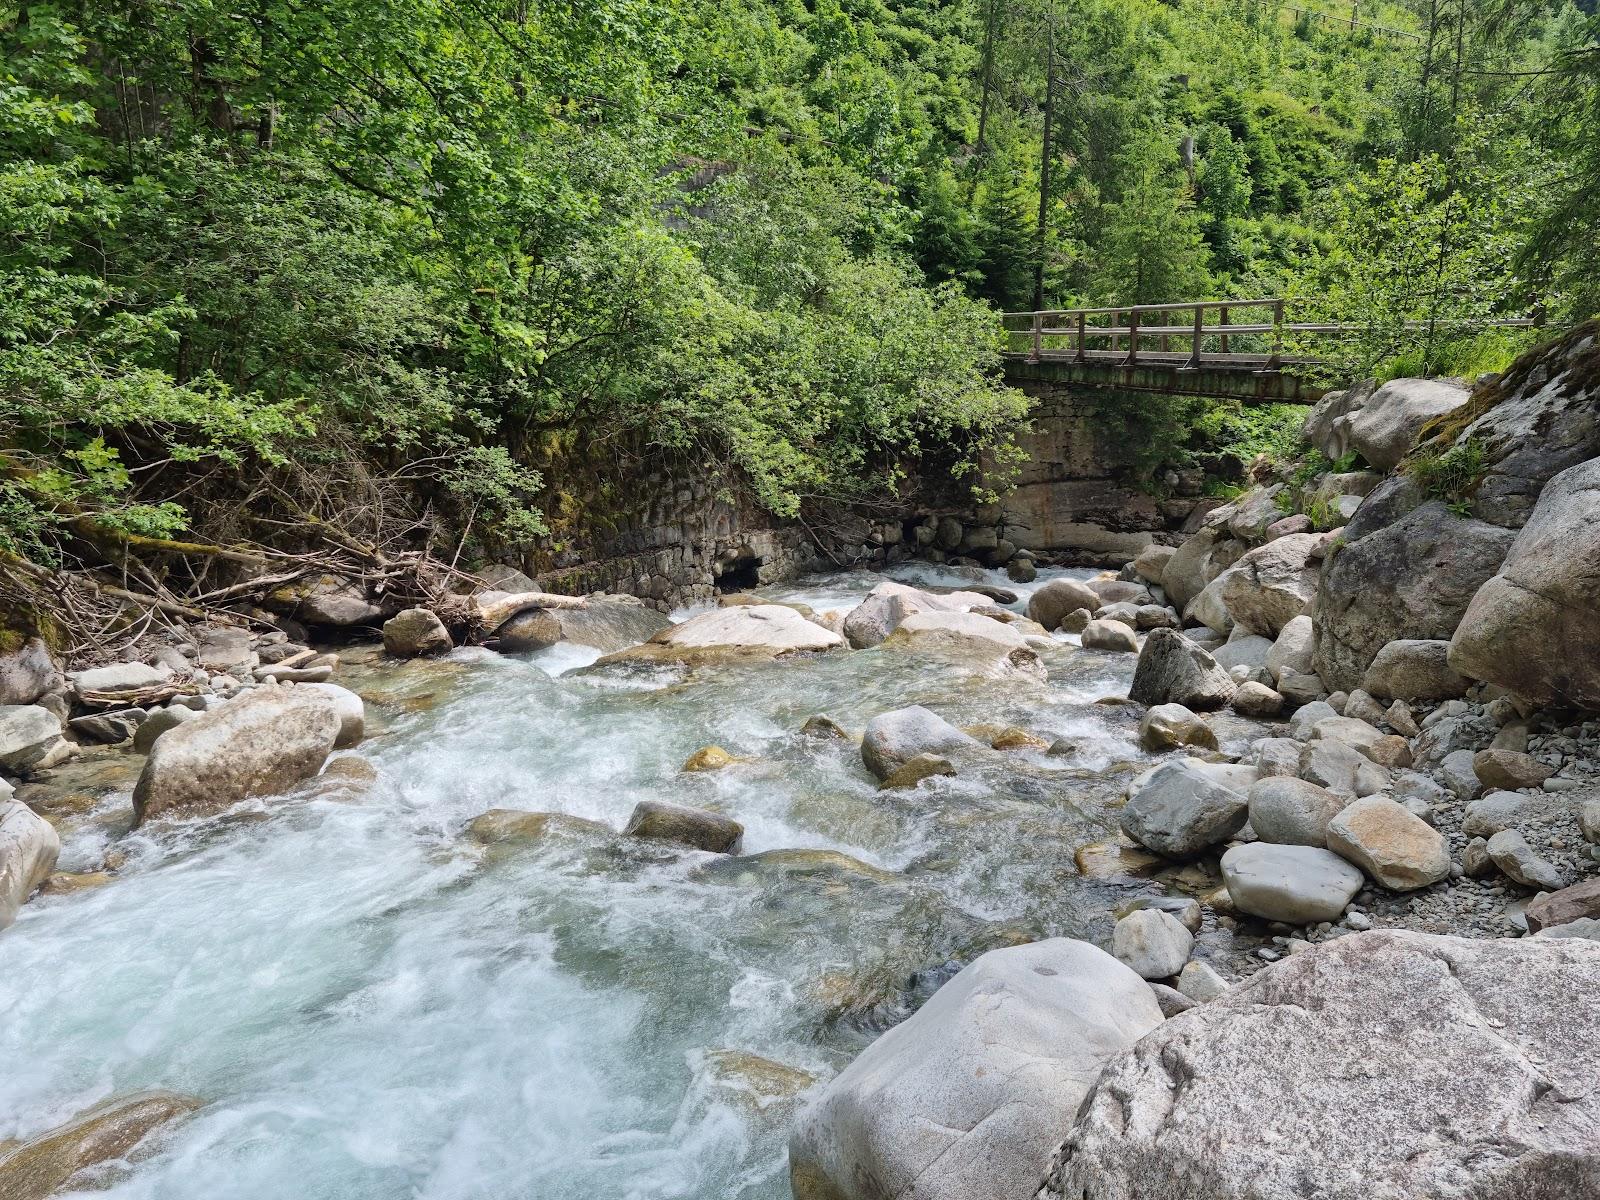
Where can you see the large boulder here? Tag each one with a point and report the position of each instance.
(1388, 426)
(1293, 812)
(337, 600)
(1272, 584)
(894, 738)
(1109, 635)
(967, 1098)
(1410, 580)
(608, 624)
(352, 713)
(968, 640)
(258, 744)
(28, 672)
(1413, 669)
(1383, 1064)
(1179, 811)
(1534, 628)
(1292, 649)
(28, 850)
(693, 827)
(108, 1133)
(1299, 885)
(747, 631)
(1327, 426)
(1152, 563)
(888, 604)
(1058, 598)
(1195, 564)
(1172, 669)
(416, 632)
(30, 739)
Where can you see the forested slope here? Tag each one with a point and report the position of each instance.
(380, 262)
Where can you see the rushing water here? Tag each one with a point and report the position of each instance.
(373, 1006)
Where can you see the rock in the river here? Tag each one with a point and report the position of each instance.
(893, 738)
(507, 826)
(1256, 700)
(1179, 811)
(352, 713)
(709, 758)
(416, 632)
(970, 641)
(1534, 629)
(28, 850)
(1109, 635)
(1413, 669)
(1397, 848)
(1509, 769)
(1172, 669)
(890, 603)
(260, 743)
(747, 631)
(687, 826)
(1510, 851)
(28, 672)
(1272, 584)
(1151, 563)
(108, 727)
(44, 1166)
(1293, 812)
(968, 1097)
(914, 770)
(1387, 427)
(1386, 1064)
(1168, 725)
(30, 739)
(1153, 944)
(1411, 580)
(158, 723)
(1058, 598)
(606, 623)
(1299, 885)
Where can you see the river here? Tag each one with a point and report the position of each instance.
(375, 1007)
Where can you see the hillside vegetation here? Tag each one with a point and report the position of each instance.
(358, 272)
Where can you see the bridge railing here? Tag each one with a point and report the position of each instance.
(1188, 335)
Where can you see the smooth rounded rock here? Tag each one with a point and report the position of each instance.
(1299, 885)
(1153, 944)
(1395, 847)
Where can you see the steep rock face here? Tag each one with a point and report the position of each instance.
(1412, 580)
(1378, 1066)
(1534, 628)
(967, 1098)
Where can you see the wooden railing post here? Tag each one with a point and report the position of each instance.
(1083, 328)
(1276, 360)
(1038, 336)
(1133, 336)
(1226, 318)
(1199, 333)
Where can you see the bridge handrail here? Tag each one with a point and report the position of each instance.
(1080, 330)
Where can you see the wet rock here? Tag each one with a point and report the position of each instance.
(1021, 570)
(1109, 635)
(1075, 621)
(258, 744)
(1200, 982)
(506, 825)
(1153, 944)
(106, 728)
(1413, 670)
(1393, 846)
(28, 673)
(1179, 811)
(1299, 885)
(30, 739)
(1411, 580)
(608, 624)
(1510, 851)
(749, 631)
(1256, 700)
(709, 758)
(915, 769)
(1058, 598)
(158, 723)
(692, 827)
(968, 1096)
(888, 604)
(893, 738)
(1168, 725)
(416, 632)
(1012, 738)
(1172, 669)
(1473, 1082)
(969, 641)
(1292, 812)
(823, 726)
(759, 1085)
(28, 850)
(1509, 769)
(352, 713)
(47, 1164)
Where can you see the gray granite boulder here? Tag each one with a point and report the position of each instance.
(1172, 669)
(1299, 885)
(28, 850)
(1154, 944)
(1413, 669)
(894, 738)
(1292, 812)
(1179, 811)
(1388, 426)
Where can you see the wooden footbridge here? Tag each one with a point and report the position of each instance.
(1228, 349)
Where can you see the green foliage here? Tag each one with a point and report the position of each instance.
(1451, 475)
(1248, 432)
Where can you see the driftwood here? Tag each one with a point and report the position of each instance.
(159, 693)
(490, 610)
